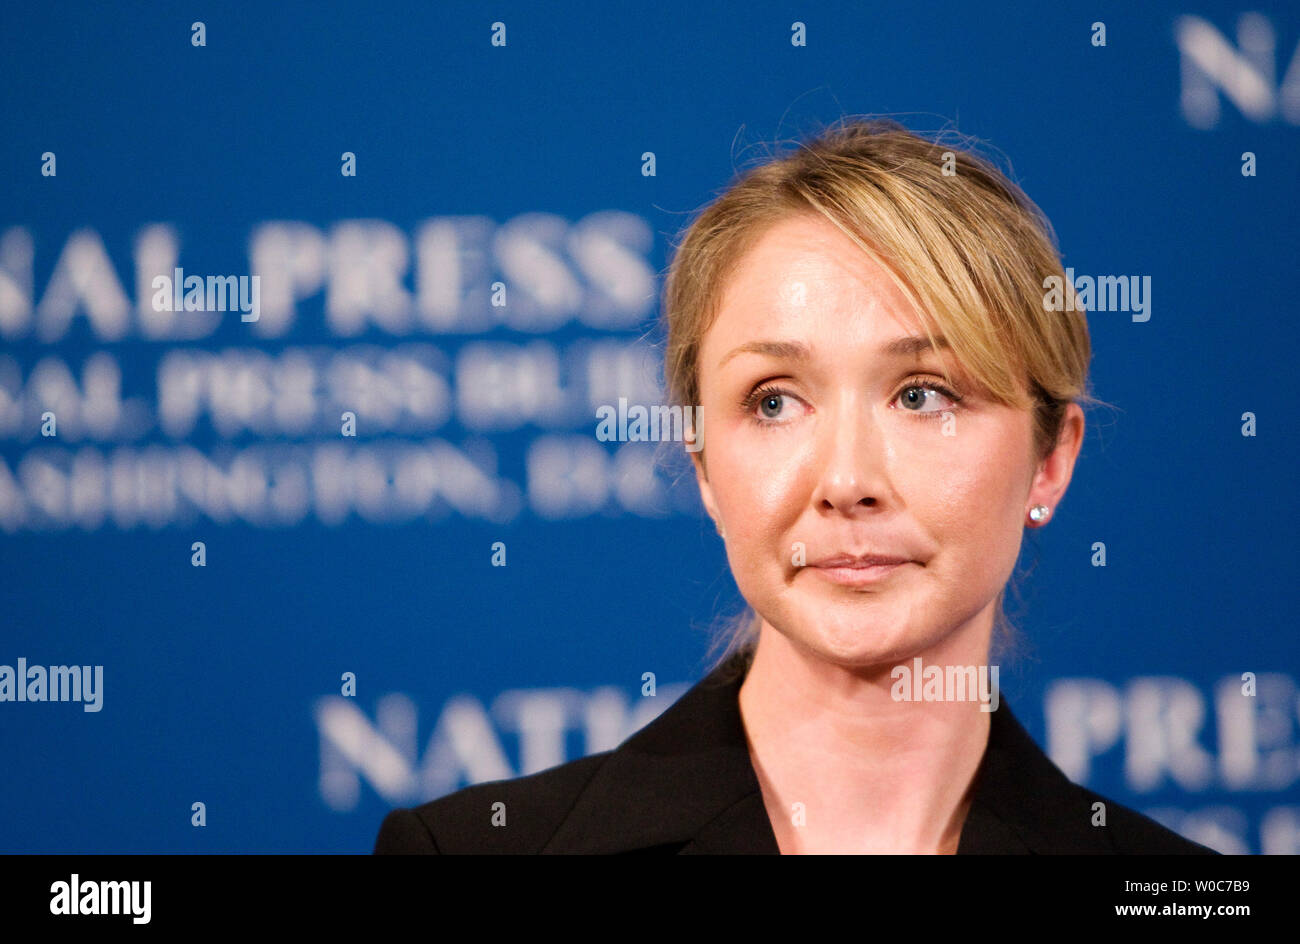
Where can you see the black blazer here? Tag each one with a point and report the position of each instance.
(684, 784)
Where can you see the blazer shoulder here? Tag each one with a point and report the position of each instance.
(470, 821)
(1037, 809)
(1132, 833)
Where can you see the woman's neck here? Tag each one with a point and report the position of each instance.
(845, 765)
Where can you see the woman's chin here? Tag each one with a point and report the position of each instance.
(857, 643)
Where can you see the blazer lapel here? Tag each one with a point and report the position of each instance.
(1023, 803)
(683, 783)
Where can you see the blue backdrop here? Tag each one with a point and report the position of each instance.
(384, 173)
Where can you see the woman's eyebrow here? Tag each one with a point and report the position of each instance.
(789, 350)
(911, 345)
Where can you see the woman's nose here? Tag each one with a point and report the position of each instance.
(851, 453)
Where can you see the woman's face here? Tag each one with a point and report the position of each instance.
(857, 449)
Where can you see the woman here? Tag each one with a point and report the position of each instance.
(886, 403)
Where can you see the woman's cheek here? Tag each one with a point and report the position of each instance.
(975, 521)
(766, 467)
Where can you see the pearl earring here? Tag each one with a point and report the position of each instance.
(1038, 513)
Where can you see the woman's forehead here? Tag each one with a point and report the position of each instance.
(815, 328)
(806, 274)
(803, 257)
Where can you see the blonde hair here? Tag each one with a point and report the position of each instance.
(963, 243)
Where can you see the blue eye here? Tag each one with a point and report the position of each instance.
(917, 395)
(917, 391)
(766, 404)
(770, 401)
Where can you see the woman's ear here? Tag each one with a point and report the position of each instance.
(1053, 475)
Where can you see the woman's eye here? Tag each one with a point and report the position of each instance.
(771, 405)
(768, 406)
(914, 397)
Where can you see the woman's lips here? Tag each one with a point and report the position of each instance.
(861, 575)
